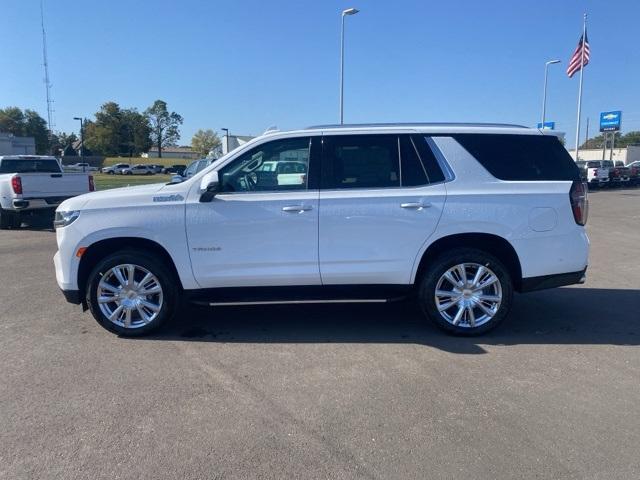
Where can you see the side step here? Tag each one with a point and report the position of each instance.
(298, 295)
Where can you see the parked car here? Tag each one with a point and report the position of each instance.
(80, 167)
(117, 168)
(156, 168)
(457, 216)
(174, 169)
(31, 185)
(593, 173)
(139, 169)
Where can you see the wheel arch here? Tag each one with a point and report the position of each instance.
(493, 244)
(102, 248)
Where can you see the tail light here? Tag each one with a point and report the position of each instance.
(92, 186)
(16, 185)
(579, 202)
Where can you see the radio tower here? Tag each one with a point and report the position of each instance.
(47, 83)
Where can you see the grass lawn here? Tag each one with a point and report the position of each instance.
(105, 181)
(164, 161)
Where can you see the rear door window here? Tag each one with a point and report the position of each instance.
(360, 161)
(521, 157)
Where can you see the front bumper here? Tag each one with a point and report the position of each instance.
(552, 281)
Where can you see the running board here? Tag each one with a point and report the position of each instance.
(300, 302)
(298, 295)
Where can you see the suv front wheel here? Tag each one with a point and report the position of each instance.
(466, 291)
(131, 293)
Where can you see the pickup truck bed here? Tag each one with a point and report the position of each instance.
(35, 184)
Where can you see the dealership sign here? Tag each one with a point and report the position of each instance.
(610, 121)
(547, 126)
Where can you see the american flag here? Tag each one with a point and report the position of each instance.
(576, 63)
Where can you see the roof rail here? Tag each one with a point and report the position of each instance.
(419, 124)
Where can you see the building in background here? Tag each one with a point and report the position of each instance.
(625, 155)
(173, 152)
(231, 142)
(12, 145)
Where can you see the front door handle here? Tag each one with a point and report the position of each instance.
(415, 205)
(296, 208)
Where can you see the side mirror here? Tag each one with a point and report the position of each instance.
(177, 179)
(209, 187)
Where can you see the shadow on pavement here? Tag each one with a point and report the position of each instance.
(584, 316)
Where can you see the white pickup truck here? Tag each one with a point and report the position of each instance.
(31, 184)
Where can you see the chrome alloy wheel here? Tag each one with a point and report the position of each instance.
(129, 296)
(468, 295)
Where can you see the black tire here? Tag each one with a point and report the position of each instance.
(111, 172)
(6, 220)
(439, 266)
(171, 293)
(10, 219)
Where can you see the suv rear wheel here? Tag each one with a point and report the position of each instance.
(131, 293)
(466, 291)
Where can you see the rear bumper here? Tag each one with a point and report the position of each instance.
(21, 204)
(552, 281)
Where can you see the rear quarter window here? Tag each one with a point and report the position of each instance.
(521, 157)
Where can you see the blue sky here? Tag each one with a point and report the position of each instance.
(247, 65)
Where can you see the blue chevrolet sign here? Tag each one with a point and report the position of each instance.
(610, 121)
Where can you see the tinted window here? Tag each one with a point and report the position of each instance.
(429, 161)
(273, 166)
(29, 166)
(412, 172)
(521, 157)
(360, 161)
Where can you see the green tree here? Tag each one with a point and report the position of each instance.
(164, 125)
(135, 132)
(103, 135)
(117, 131)
(12, 121)
(203, 141)
(36, 127)
(26, 124)
(621, 141)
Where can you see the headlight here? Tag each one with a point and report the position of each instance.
(65, 218)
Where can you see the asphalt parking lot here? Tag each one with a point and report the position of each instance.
(329, 391)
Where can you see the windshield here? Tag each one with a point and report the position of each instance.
(40, 165)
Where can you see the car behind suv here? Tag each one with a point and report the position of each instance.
(457, 216)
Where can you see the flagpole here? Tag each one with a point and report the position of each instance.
(584, 34)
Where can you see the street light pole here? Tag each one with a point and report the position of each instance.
(81, 139)
(544, 91)
(348, 11)
(226, 140)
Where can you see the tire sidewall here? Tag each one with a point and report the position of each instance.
(426, 294)
(163, 274)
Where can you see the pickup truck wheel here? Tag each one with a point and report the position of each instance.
(131, 293)
(9, 219)
(466, 292)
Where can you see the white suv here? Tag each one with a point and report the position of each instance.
(458, 216)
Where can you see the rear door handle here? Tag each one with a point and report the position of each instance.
(296, 208)
(415, 205)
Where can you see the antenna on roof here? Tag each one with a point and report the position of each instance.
(47, 83)
(271, 129)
